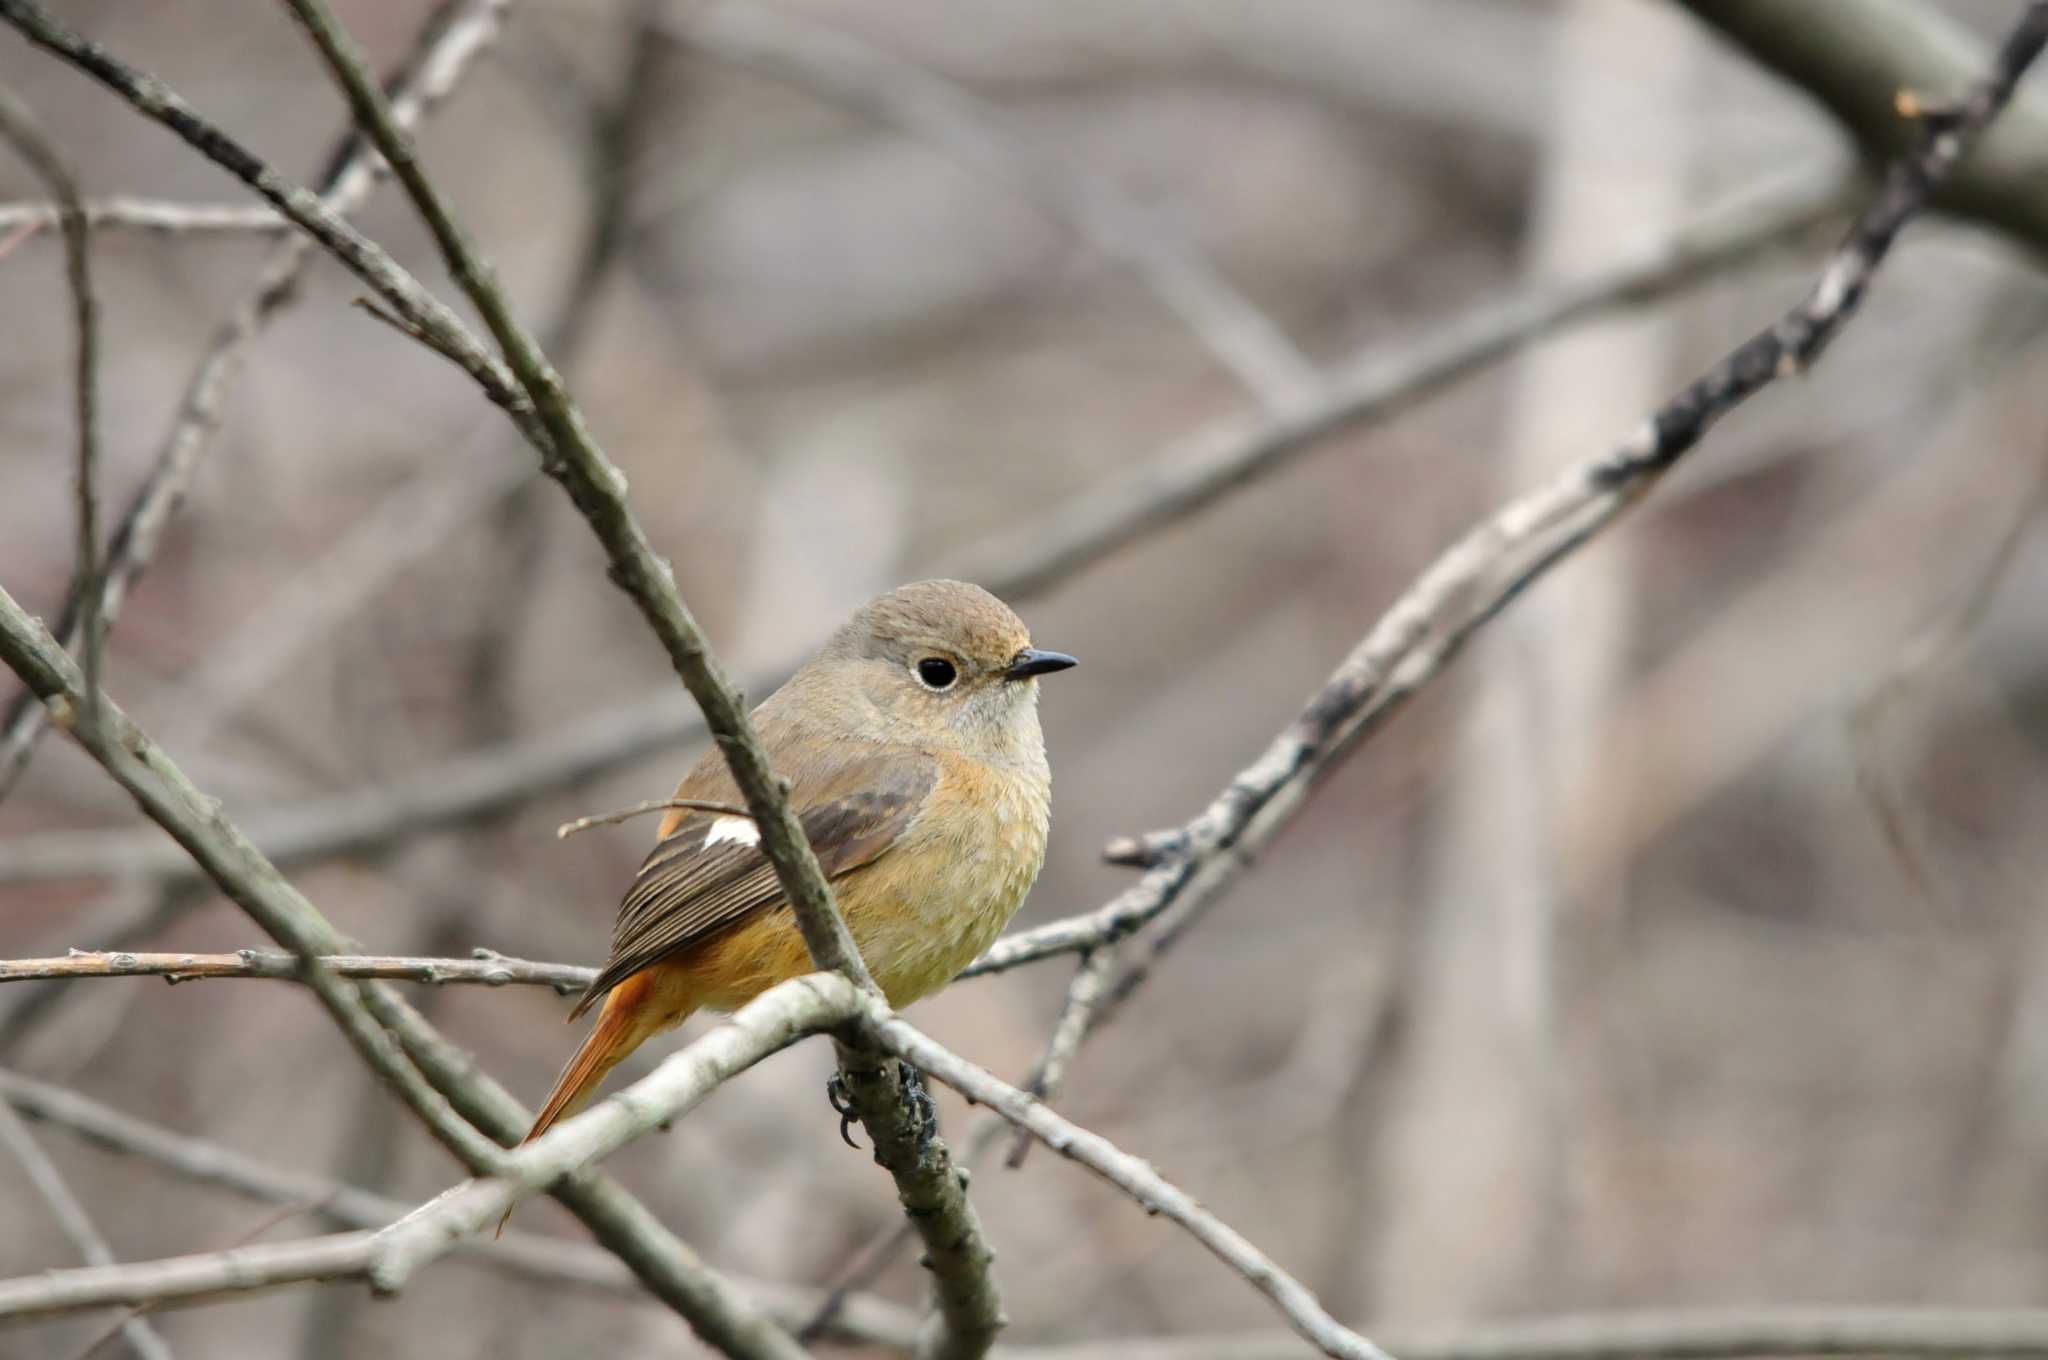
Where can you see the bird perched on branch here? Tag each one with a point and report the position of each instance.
(918, 772)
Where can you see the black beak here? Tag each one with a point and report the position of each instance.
(1031, 661)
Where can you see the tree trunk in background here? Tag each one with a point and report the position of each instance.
(1482, 1113)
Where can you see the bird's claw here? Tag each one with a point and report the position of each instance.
(842, 1105)
(920, 1098)
(914, 1091)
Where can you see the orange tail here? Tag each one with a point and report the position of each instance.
(626, 1020)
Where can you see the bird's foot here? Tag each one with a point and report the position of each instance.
(914, 1091)
(920, 1098)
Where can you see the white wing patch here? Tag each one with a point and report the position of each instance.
(739, 829)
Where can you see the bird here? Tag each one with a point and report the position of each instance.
(917, 769)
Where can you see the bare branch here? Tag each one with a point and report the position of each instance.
(1179, 481)
(568, 829)
(488, 968)
(1485, 570)
(187, 1279)
(18, 126)
(1077, 1018)
(448, 43)
(77, 1225)
(841, 67)
(148, 214)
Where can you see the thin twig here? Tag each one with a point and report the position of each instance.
(18, 126)
(75, 1222)
(1179, 481)
(149, 214)
(487, 968)
(568, 829)
(1077, 1018)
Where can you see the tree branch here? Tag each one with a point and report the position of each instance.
(120, 212)
(488, 968)
(1181, 480)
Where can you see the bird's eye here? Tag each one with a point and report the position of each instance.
(937, 672)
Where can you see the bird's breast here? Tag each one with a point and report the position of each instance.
(929, 907)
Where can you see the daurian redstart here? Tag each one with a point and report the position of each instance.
(918, 772)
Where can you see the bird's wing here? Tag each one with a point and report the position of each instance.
(708, 874)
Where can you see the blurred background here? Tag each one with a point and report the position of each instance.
(1681, 947)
